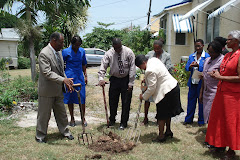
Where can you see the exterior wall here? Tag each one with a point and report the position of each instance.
(177, 51)
(200, 23)
(155, 25)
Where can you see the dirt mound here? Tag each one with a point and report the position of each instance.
(111, 143)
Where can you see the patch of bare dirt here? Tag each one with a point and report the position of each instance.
(111, 143)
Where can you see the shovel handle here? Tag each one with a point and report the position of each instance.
(77, 85)
(105, 106)
(138, 112)
(80, 107)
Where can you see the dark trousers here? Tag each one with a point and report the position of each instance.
(119, 86)
(193, 97)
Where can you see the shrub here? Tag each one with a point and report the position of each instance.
(24, 63)
(180, 74)
(138, 73)
(19, 89)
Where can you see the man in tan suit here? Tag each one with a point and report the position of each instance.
(50, 89)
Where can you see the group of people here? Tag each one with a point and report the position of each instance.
(217, 89)
(218, 92)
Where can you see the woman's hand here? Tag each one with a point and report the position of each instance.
(194, 64)
(140, 97)
(86, 81)
(215, 74)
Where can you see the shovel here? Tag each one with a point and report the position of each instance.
(106, 130)
(133, 133)
(83, 138)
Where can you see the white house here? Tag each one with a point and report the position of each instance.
(197, 23)
(8, 45)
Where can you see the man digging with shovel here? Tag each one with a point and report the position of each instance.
(120, 59)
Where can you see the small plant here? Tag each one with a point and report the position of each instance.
(19, 89)
(180, 74)
(24, 63)
(4, 69)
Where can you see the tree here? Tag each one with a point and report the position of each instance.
(105, 25)
(67, 24)
(7, 20)
(139, 41)
(28, 13)
(100, 38)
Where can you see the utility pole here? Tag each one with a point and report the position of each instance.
(149, 11)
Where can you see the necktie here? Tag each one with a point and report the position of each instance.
(59, 62)
(120, 65)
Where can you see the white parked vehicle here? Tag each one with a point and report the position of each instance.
(94, 55)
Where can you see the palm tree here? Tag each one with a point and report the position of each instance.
(28, 12)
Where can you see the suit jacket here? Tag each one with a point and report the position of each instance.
(158, 79)
(51, 76)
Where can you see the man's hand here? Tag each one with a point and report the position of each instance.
(69, 82)
(130, 88)
(101, 83)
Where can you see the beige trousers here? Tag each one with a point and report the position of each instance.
(45, 105)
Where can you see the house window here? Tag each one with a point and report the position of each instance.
(180, 39)
(163, 24)
(212, 28)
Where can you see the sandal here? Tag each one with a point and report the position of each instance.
(145, 121)
(72, 124)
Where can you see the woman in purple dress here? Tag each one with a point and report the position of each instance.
(209, 84)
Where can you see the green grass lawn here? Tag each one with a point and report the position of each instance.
(187, 143)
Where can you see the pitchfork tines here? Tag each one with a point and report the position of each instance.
(85, 138)
(133, 133)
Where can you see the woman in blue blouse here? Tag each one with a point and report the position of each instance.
(76, 63)
(195, 62)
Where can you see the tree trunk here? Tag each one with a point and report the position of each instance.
(32, 59)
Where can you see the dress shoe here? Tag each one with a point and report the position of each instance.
(168, 134)
(200, 125)
(229, 156)
(217, 149)
(122, 126)
(70, 137)
(186, 123)
(111, 123)
(41, 140)
(159, 140)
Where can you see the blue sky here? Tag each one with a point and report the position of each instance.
(120, 12)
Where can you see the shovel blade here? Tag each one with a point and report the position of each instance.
(107, 130)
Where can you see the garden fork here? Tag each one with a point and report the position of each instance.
(133, 133)
(85, 138)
